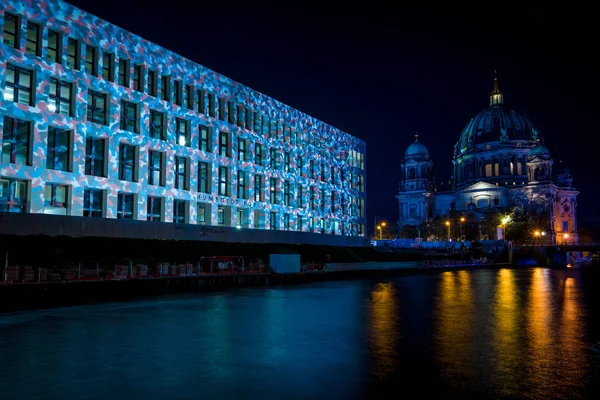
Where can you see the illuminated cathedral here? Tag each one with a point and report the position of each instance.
(500, 163)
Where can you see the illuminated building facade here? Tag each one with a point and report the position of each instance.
(98, 122)
(500, 162)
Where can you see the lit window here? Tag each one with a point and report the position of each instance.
(182, 131)
(223, 181)
(155, 167)
(93, 202)
(12, 28)
(181, 173)
(55, 199)
(16, 141)
(96, 108)
(127, 162)
(154, 209)
(108, 66)
(73, 53)
(125, 203)
(13, 195)
(157, 125)
(94, 156)
(91, 60)
(59, 149)
(129, 117)
(55, 46)
(19, 82)
(33, 38)
(179, 211)
(59, 99)
(205, 142)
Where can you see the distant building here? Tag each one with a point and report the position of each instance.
(500, 162)
(98, 122)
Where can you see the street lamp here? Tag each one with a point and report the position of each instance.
(462, 220)
(380, 227)
(536, 236)
(505, 220)
(448, 225)
(566, 238)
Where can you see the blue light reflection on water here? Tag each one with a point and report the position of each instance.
(481, 334)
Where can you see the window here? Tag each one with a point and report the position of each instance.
(211, 104)
(223, 184)
(127, 162)
(129, 117)
(242, 185)
(96, 107)
(273, 158)
(300, 162)
(221, 216)
(108, 67)
(312, 169)
(54, 46)
(203, 177)
(154, 209)
(221, 110)
(273, 220)
(182, 131)
(165, 88)
(273, 129)
(256, 122)
(360, 183)
(240, 116)
(231, 112)
(240, 218)
(181, 173)
(322, 172)
(179, 211)
(60, 97)
(93, 202)
(189, 97)
(258, 154)
(565, 226)
(286, 194)
(16, 141)
(13, 195)
(19, 82)
(361, 207)
(152, 87)
(178, 92)
(156, 160)
(91, 60)
(286, 161)
(300, 224)
(33, 38)
(249, 115)
(201, 101)
(138, 78)
(223, 144)
(55, 199)
(293, 136)
(73, 49)
(322, 199)
(123, 78)
(242, 149)
(157, 125)
(313, 198)
(205, 144)
(286, 222)
(201, 214)
(300, 196)
(12, 28)
(125, 205)
(59, 149)
(273, 190)
(258, 190)
(333, 198)
(94, 156)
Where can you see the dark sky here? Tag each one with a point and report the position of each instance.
(383, 72)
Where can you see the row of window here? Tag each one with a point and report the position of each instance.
(155, 85)
(13, 198)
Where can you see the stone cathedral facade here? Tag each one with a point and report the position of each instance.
(500, 162)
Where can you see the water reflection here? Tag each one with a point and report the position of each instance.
(385, 331)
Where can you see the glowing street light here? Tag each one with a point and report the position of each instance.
(505, 220)
(380, 227)
(462, 220)
(448, 225)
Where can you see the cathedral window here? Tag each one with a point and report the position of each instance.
(488, 170)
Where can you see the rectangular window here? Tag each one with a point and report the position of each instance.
(205, 142)
(203, 177)
(293, 136)
(181, 173)
(201, 214)
(125, 205)
(189, 97)
(19, 83)
(300, 196)
(59, 99)
(157, 125)
(96, 108)
(12, 28)
(249, 115)
(123, 77)
(59, 150)
(182, 132)
(322, 175)
(256, 122)
(152, 87)
(13, 195)
(223, 144)
(286, 194)
(201, 101)
(127, 162)
(286, 161)
(94, 156)
(222, 109)
(223, 182)
(273, 190)
(54, 46)
(211, 104)
(179, 211)
(154, 209)
(73, 53)
(300, 224)
(240, 116)
(93, 202)
(361, 207)
(241, 149)
(360, 183)
(242, 185)
(33, 39)
(300, 162)
(221, 216)
(108, 67)
(240, 218)
(273, 158)
(333, 198)
(273, 220)
(322, 199)
(56, 199)
(287, 222)
(165, 88)
(258, 190)
(91, 60)
(565, 226)
(129, 117)
(231, 112)
(313, 198)
(178, 91)
(16, 141)
(258, 154)
(312, 169)
(138, 78)
(156, 162)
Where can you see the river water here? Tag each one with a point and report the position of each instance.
(503, 334)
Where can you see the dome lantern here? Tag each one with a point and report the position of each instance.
(496, 95)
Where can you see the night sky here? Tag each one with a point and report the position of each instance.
(385, 72)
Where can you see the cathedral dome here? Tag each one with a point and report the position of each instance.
(497, 123)
(417, 150)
